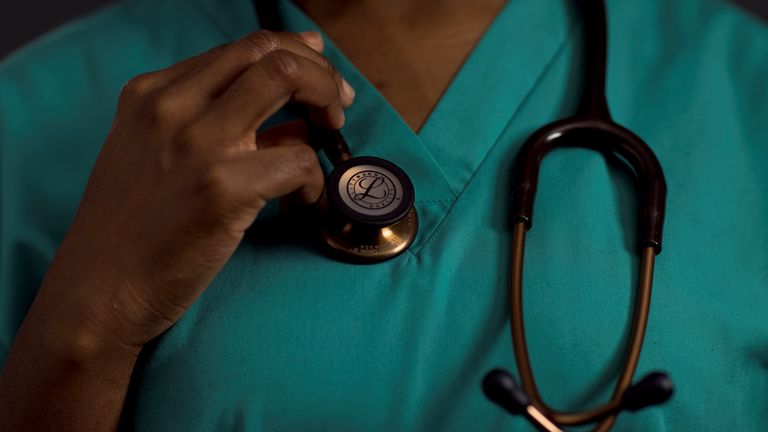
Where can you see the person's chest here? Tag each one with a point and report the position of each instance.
(410, 57)
(288, 339)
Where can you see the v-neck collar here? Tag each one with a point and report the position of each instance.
(491, 85)
(466, 123)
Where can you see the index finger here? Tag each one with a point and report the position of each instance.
(212, 79)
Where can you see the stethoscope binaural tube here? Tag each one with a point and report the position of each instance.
(593, 128)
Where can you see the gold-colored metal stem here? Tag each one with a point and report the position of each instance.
(541, 420)
(605, 413)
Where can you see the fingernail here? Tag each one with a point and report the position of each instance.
(348, 90)
(313, 39)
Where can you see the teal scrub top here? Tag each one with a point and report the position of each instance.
(288, 339)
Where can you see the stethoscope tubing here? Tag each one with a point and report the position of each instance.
(608, 411)
(592, 127)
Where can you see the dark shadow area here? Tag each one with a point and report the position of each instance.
(20, 22)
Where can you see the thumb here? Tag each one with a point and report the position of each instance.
(289, 134)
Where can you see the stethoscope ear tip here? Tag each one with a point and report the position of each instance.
(500, 387)
(654, 389)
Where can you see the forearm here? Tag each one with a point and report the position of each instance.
(61, 374)
(133, 262)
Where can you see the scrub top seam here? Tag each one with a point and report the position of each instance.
(555, 56)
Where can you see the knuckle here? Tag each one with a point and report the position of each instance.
(261, 42)
(160, 107)
(304, 159)
(338, 79)
(284, 64)
(214, 185)
(325, 64)
(138, 86)
(328, 67)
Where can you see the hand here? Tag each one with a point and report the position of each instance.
(181, 176)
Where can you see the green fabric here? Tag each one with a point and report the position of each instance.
(287, 339)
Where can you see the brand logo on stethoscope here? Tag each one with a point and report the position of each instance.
(371, 189)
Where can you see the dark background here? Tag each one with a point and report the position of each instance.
(21, 21)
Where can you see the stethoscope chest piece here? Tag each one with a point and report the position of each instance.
(367, 212)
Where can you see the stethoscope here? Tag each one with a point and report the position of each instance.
(367, 215)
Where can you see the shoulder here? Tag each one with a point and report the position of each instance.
(694, 18)
(118, 27)
(101, 50)
(706, 33)
(61, 89)
(58, 93)
(703, 34)
(703, 62)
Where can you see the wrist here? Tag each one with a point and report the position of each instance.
(77, 327)
(76, 346)
(59, 363)
(95, 309)
(82, 344)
